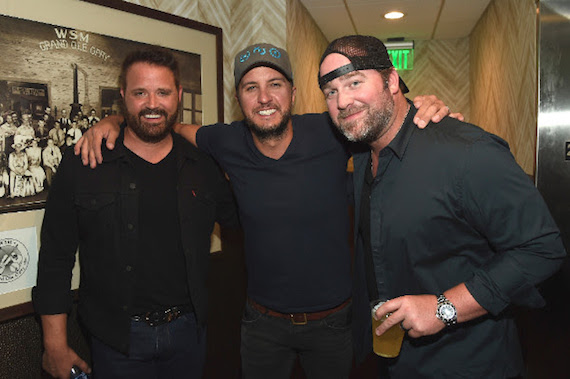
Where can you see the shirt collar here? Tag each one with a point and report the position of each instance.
(399, 144)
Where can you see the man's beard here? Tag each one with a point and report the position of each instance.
(272, 132)
(374, 125)
(151, 132)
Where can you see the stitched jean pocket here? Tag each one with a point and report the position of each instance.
(340, 319)
(250, 314)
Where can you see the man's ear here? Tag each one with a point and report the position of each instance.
(394, 82)
(293, 93)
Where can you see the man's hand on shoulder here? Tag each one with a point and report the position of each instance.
(430, 108)
(89, 145)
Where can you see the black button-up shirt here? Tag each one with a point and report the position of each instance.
(449, 205)
(97, 211)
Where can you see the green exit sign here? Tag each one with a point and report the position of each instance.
(402, 59)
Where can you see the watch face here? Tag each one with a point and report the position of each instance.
(447, 312)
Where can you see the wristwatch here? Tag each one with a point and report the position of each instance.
(446, 311)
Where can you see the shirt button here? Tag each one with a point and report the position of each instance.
(133, 186)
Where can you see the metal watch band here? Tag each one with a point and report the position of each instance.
(442, 302)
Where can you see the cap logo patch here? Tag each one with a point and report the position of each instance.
(262, 55)
(261, 51)
(275, 53)
(244, 57)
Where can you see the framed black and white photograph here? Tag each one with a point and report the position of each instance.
(60, 64)
(58, 80)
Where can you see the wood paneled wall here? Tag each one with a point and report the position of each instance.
(504, 76)
(305, 44)
(441, 67)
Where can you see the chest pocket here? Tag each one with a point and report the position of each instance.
(97, 212)
(94, 201)
(199, 209)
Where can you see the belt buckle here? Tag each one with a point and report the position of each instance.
(153, 318)
(295, 320)
(172, 314)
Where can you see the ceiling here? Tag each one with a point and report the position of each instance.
(423, 20)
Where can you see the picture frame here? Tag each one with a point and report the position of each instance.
(127, 21)
(25, 93)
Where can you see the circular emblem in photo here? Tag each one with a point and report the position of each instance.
(14, 259)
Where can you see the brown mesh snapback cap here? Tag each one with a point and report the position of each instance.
(262, 54)
(364, 53)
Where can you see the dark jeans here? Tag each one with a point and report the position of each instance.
(173, 350)
(270, 345)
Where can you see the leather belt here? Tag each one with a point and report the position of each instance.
(298, 318)
(155, 318)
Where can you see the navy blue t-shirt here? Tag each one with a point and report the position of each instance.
(293, 211)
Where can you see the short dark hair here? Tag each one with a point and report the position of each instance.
(385, 73)
(154, 56)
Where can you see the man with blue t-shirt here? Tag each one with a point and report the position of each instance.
(289, 177)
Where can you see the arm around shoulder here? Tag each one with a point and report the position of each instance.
(89, 145)
(430, 108)
(188, 131)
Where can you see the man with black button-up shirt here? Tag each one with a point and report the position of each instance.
(447, 226)
(142, 222)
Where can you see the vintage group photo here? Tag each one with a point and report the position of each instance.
(57, 82)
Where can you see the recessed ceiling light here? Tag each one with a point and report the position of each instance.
(393, 15)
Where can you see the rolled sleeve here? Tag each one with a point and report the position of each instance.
(508, 210)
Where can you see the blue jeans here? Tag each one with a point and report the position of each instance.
(270, 346)
(173, 350)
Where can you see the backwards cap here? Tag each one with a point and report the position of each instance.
(364, 53)
(262, 54)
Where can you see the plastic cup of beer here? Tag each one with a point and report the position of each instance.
(387, 345)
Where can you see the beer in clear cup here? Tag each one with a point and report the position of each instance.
(387, 345)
